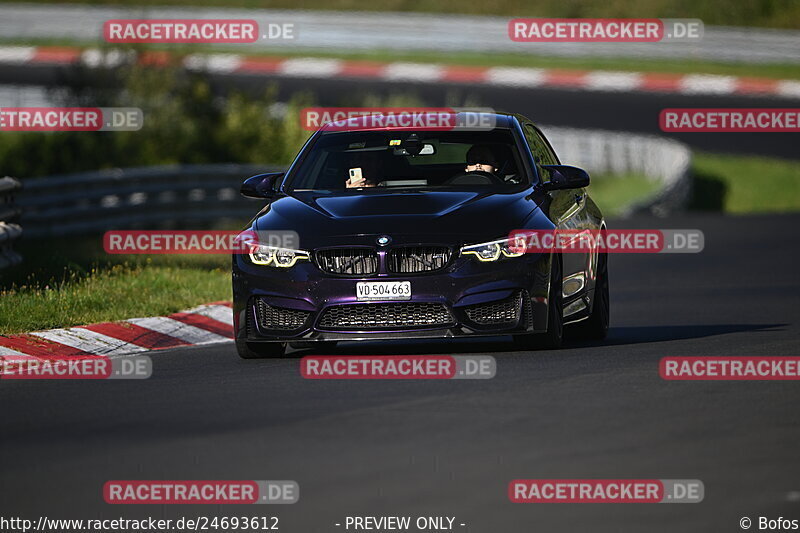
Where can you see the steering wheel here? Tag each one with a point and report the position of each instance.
(468, 178)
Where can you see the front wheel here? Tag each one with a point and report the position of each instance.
(260, 350)
(552, 338)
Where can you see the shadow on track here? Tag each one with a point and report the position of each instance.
(617, 336)
(621, 336)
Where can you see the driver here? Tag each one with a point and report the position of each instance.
(480, 158)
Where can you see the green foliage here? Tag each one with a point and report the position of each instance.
(185, 122)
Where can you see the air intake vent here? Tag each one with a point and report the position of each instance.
(278, 318)
(503, 312)
(411, 259)
(385, 316)
(347, 261)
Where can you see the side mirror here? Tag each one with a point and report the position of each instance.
(261, 185)
(565, 177)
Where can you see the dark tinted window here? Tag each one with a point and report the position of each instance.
(382, 158)
(539, 148)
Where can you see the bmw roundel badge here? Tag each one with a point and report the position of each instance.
(384, 240)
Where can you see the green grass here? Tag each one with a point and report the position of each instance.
(745, 184)
(765, 13)
(66, 283)
(117, 293)
(613, 194)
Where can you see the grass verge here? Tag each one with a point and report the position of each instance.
(116, 293)
(613, 194)
(68, 283)
(745, 184)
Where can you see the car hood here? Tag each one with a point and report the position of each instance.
(406, 216)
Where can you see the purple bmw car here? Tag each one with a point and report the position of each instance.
(404, 233)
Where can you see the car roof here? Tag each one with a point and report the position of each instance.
(371, 123)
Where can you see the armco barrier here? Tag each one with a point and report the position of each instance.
(193, 196)
(183, 196)
(663, 160)
(9, 212)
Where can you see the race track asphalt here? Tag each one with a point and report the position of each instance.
(450, 448)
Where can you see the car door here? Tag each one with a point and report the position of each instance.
(567, 211)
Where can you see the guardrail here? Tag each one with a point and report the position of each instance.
(167, 197)
(616, 153)
(194, 196)
(9, 212)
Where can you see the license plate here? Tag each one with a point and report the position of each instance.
(383, 290)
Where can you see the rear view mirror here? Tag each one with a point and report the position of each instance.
(565, 177)
(427, 149)
(261, 185)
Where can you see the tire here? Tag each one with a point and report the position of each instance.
(596, 326)
(553, 337)
(260, 350)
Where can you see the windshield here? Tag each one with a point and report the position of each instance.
(410, 159)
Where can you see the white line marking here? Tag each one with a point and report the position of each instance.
(9, 352)
(16, 54)
(310, 67)
(89, 341)
(612, 81)
(516, 77)
(177, 329)
(217, 63)
(94, 58)
(413, 72)
(789, 88)
(707, 84)
(220, 313)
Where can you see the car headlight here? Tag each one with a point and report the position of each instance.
(494, 250)
(261, 254)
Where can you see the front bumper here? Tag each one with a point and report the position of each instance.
(466, 299)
